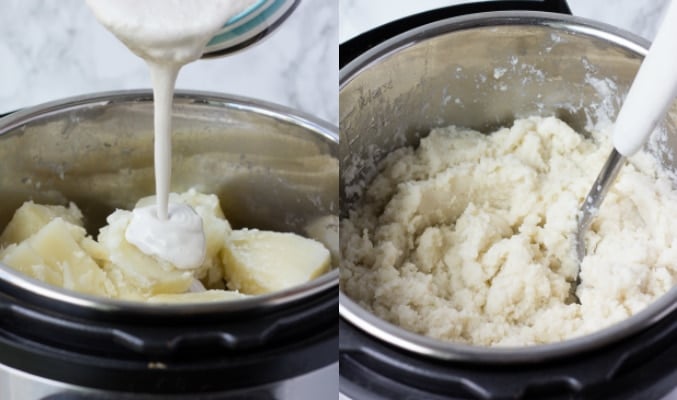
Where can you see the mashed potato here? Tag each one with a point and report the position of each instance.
(469, 237)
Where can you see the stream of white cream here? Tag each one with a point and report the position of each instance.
(167, 34)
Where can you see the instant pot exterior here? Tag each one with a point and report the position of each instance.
(97, 151)
(483, 71)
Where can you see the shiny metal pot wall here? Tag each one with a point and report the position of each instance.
(483, 71)
(269, 169)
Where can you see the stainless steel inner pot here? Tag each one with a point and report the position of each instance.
(272, 168)
(483, 71)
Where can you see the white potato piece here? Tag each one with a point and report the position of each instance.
(31, 217)
(25, 260)
(197, 297)
(125, 287)
(146, 273)
(259, 262)
(325, 230)
(56, 256)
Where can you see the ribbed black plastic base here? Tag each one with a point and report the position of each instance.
(641, 367)
(183, 355)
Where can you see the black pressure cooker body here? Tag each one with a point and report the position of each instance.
(79, 353)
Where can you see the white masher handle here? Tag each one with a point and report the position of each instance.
(653, 90)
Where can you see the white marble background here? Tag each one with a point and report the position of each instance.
(638, 16)
(53, 49)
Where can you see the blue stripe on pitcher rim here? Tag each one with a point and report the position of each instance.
(259, 20)
(244, 13)
(244, 18)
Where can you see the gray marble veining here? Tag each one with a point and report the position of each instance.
(55, 49)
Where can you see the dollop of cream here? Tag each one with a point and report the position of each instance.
(179, 239)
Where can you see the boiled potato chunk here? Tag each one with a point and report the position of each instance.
(197, 297)
(144, 274)
(31, 217)
(25, 260)
(258, 262)
(126, 289)
(55, 255)
(325, 230)
(215, 229)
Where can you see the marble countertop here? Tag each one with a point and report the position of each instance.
(639, 17)
(56, 49)
(52, 50)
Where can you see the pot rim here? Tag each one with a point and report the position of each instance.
(411, 342)
(567, 23)
(25, 286)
